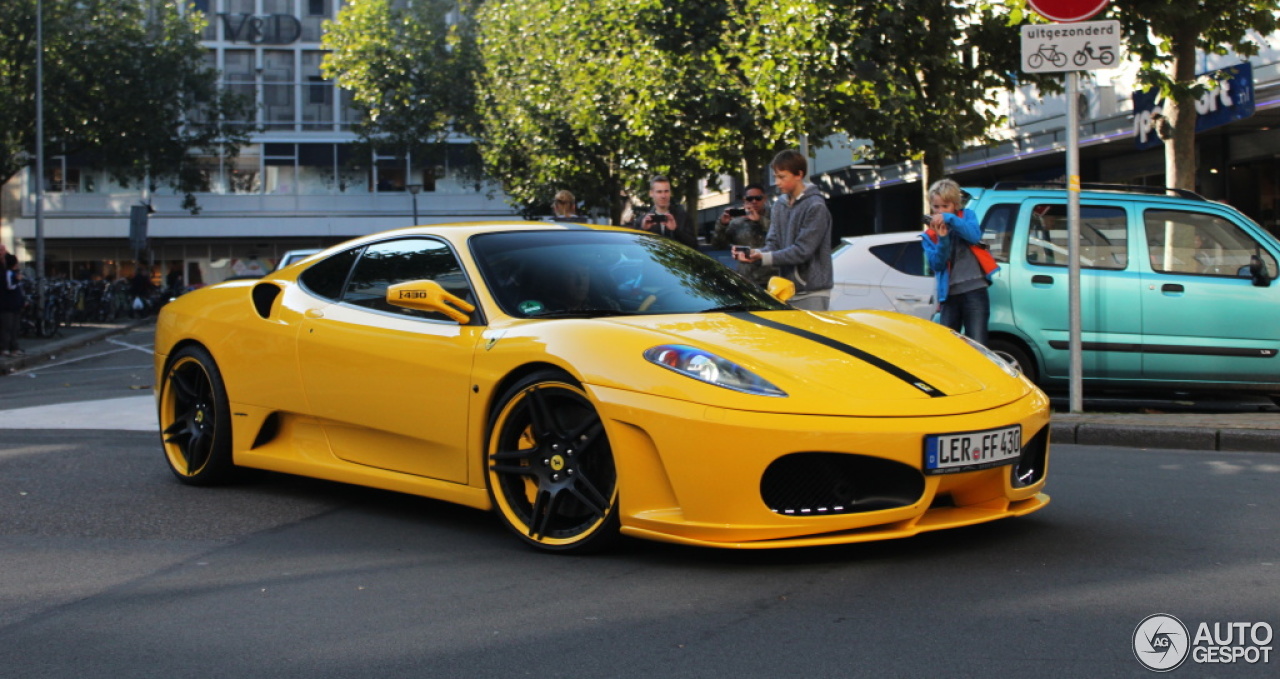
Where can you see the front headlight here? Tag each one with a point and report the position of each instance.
(1008, 369)
(707, 367)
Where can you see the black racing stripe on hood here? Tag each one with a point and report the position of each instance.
(841, 346)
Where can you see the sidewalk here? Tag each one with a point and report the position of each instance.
(1235, 431)
(38, 350)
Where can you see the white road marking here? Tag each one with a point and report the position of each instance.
(45, 366)
(143, 348)
(131, 413)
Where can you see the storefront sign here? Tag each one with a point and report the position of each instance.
(273, 29)
(1231, 100)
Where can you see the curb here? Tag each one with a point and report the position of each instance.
(51, 347)
(1185, 438)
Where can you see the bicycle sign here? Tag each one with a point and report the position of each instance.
(1082, 46)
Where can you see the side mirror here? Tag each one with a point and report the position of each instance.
(781, 288)
(429, 296)
(1258, 272)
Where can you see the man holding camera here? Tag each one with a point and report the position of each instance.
(666, 219)
(746, 226)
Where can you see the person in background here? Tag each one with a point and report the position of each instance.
(746, 226)
(799, 238)
(961, 285)
(140, 287)
(665, 218)
(12, 300)
(566, 208)
(173, 280)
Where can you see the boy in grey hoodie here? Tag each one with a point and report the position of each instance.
(799, 238)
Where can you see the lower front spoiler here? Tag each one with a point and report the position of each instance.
(938, 518)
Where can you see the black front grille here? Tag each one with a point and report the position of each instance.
(1032, 462)
(822, 484)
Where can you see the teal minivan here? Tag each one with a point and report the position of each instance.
(1176, 292)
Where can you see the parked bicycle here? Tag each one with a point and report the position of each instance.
(39, 320)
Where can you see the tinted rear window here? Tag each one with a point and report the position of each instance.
(906, 257)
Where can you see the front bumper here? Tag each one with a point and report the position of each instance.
(700, 475)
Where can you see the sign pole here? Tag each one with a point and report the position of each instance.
(1069, 46)
(1076, 398)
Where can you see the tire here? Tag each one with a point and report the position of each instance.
(1016, 355)
(1059, 59)
(551, 473)
(195, 419)
(1107, 57)
(1035, 61)
(1080, 59)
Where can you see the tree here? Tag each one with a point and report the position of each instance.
(794, 64)
(411, 70)
(597, 95)
(939, 68)
(552, 111)
(125, 84)
(1164, 35)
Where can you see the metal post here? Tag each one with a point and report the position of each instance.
(39, 267)
(1073, 242)
(414, 189)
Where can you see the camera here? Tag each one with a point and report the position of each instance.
(737, 212)
(927, 219)
(657, 218)
(744, 249)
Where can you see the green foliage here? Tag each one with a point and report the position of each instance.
(124, 83)
(1157, 31)
(411, 70)
(938, 67)
(596, 96)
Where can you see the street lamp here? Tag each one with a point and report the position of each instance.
(414, 190)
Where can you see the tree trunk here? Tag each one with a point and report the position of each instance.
(1180, 134)
(932, 170)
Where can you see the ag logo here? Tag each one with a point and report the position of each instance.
(1161, 642)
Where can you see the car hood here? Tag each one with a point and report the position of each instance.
(855, 363)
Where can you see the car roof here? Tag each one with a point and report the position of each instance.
(461, 231)
(1093, 190)
(881, 238)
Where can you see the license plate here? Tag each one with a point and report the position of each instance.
(966, 451)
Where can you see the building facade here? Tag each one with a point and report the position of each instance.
(295, 186)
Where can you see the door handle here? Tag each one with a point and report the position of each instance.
(910, 298)
(314, 313)
(1042, 279)
(1172, 287)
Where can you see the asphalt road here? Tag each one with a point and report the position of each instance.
(110, 568)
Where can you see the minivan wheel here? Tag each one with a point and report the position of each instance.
(1016, 355)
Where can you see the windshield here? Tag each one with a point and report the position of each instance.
(543, 274)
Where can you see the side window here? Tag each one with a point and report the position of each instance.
(397, 261)
(328, 277)
(1184, 242)
(906, 257)
(997, 229)
(1104, 237)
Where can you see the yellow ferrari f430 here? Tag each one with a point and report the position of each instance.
(585, 382)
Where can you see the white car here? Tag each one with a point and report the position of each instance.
(295, 256)
(883, 271)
